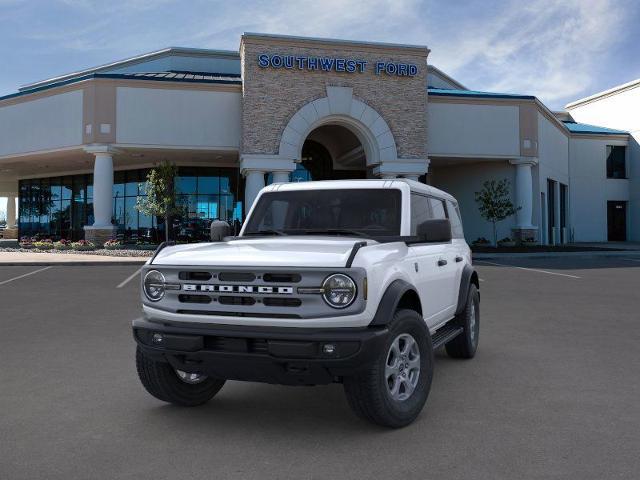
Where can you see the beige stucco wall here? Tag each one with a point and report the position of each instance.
(272, 96)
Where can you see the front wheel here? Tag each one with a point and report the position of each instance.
(392, 390)
(175, 386)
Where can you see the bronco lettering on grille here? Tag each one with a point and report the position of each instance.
(190, 287)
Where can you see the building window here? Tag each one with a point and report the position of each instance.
(59, 207)
(616, 161)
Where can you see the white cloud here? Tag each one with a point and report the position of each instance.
(546, 48)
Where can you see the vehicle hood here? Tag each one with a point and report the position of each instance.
(308, 251)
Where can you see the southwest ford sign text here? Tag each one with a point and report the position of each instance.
(333, 64)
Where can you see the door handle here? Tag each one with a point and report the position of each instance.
(459, 259)
(442, 263)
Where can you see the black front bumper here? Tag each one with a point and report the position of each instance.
(289, 356)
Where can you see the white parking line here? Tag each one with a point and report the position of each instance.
(25, 275)
(129, 278)
(481, 279)
(529, 269)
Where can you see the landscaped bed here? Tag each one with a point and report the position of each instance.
(101, 251)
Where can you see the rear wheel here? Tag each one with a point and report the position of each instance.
(466, 344)
(175, 386)
(393, 389)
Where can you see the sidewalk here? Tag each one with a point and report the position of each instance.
(635, 254)
(35, 259)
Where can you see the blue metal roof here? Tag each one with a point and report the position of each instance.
(188, 77)
(575, 127)
(444, 92)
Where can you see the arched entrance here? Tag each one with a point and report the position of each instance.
(333, 152)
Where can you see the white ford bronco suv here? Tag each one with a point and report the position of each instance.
(347, 281)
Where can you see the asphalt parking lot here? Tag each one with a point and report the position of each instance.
(554, 391)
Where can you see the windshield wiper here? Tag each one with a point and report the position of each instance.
(266, 232)
(337, 231)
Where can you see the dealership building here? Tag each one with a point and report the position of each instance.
(75, 149)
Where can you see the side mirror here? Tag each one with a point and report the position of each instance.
(218, 230)
(434, 231)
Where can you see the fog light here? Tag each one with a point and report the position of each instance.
(157, 338)
(329, 348)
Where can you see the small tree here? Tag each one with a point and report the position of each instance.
(494, 203)
(161, 200)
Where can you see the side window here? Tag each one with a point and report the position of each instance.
(454, 218)
(437, 208)
(420, 211)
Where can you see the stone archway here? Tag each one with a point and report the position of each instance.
(339, 107)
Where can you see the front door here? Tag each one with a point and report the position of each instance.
(617, 221)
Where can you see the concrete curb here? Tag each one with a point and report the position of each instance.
(617, 253)
(72, 264)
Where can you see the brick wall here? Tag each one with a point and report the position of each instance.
(271, 96)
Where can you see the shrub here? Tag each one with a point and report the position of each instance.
(83, 245)
(46, 244)
(26, 242)
(480, 241)
(113, 244)
(62, 245)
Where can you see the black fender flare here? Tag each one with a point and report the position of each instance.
(389, 302)
(469, 276)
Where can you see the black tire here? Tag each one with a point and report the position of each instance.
(466, 344)
(162, 381)
(368, 393)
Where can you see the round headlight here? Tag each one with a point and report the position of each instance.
(339, 290)
(154, 285)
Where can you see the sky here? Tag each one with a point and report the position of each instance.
(557, 50)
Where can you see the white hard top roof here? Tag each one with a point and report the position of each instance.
(399, 183)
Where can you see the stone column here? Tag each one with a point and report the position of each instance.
(410, 168)
(524, 198)
(11, 232)
(11, 211)
(254, 165)
(102, 228)
(280, 176)
(254, 183)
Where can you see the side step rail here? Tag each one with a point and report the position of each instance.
(445, 334)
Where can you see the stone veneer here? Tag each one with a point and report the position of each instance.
(271, 96)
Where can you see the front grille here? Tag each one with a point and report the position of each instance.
(267, 292)
(282, 302)
(282, 277)
(195, 276)
(194, 298)
(237, 277)
(226, 300)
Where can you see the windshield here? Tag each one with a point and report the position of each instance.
(359, 212)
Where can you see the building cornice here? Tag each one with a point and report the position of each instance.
(604, 94)
(145, 57)
(311, 42)
(120, 80)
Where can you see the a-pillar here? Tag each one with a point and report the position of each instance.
(102, 228)
(524, 229)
